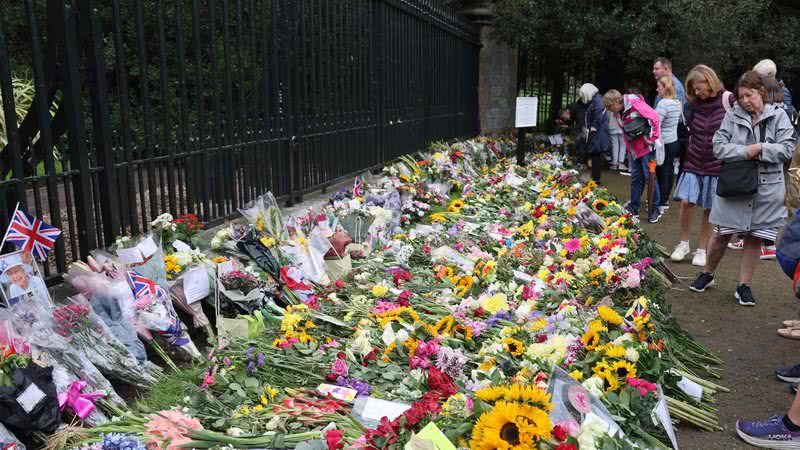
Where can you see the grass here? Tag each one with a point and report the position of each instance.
(170, 391)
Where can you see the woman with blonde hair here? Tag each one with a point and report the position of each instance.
(669, 114)
(697, 185)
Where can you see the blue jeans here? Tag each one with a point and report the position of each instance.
(639, 175)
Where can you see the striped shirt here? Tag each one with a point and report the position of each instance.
(669, 113)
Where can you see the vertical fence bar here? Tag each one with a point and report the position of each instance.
(166, 116)
(187, 199)
(147, 144)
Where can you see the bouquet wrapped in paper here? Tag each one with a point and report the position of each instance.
(189, 284)
(144, 255)
(83, 404)
(87, 332)
(240, 289)
(35, 321)
(155, 312)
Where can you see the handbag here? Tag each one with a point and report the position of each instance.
(660, 151)
(740, 178)
(636, 128)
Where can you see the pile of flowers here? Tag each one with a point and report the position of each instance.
(511, 307)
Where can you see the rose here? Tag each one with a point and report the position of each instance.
(334, 439)
(339, 368)
(560, 433)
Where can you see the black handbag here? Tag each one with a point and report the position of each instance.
(740, 178)
(636, 128)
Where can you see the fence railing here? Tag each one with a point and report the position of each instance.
(116, 111)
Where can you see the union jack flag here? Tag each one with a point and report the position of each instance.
(358, 187)
(31, 234)
(144, 287)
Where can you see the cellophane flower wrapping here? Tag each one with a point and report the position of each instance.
(156, 313)
(8, 437)
(34, 320)
(112, 300)
(86, 331)
(63, 379)
(195, 309)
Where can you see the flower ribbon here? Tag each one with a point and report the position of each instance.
(174, 334)
(81, 403)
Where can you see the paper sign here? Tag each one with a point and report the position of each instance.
(181, 246)
(555, 139)
(527, 109)
(430, 437)
(195, 285)
(691, 388)
(375, 409)
(225, 268)
(338, 392)
(30, 397)
(148, 247)
(232, 327)
(662, 414)
(130, 255)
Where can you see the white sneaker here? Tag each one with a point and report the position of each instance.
(623, 168)
(680, 252)
(699, 259)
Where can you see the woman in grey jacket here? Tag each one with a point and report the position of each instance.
(756, 216)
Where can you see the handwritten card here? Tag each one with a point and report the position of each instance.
(148, 247)
(338, 392)
(181, 246)
(375, 409)
(225, 268)
(130, 255)
(195, 285)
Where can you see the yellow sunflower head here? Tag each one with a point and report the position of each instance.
(610, 380)
(513, 346)
(513, 426)
(624, 369)
(609, 316)
(599, 204)
(614, 351)
(590, 339)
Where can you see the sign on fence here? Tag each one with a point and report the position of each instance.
(527, 108)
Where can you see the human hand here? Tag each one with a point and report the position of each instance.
(753, 151)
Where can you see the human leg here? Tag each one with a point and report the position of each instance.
(776, 432)
(716, 250)
(637, 183)
(597, 166)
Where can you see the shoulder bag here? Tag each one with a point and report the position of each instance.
(740, 178)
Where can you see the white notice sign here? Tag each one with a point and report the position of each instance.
(527, 108)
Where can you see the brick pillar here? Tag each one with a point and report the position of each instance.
(497, 80)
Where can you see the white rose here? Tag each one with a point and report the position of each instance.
(595, 386)
(632, 355)
(401, 336)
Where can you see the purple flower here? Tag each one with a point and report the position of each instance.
(251, 367)
(450, 361)
(249, 352)
(260, 359)
(362, 387)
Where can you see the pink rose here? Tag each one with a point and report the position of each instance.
(571, 427)
(339, 368)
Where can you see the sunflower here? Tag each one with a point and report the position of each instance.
(513, 346)
(609, 316)
(610, 380)
(511, 426)
(528, 394)
(590, 339)
(601, 366)
(614, 351)
(624, 369)
(597, 326)
(456, 205)
(599, 204)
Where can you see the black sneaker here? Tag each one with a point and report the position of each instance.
(703, 281)
(789, 374)
(655, 215)
(745, 295)
(793, 388)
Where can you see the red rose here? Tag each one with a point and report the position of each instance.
(441, 382)
(566, 447)
(341, 355)
(339, 284)
(334, 439)
(479, 312)
(560, 433)
(331, 377)
(371, 356)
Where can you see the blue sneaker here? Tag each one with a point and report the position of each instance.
(789, 374)
(771, 433)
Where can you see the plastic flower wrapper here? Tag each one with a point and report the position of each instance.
(241, 290)
(8, 437)
(86, 331)
(113, 301)
(34, 320)
(146, 257)
(191, 306)
(155, 312)
(308, 254)
(265, 214)
(63, 378)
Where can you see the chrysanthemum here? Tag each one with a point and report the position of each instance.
(511, 426)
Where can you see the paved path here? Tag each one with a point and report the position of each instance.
(743, 337)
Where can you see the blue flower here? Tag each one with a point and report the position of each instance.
(118, 441)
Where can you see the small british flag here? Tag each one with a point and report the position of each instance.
(31, 234)
(144, 287)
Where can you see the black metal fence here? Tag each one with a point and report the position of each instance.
(198, 106)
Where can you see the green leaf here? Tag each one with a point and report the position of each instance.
(235, 386)
(251, 382)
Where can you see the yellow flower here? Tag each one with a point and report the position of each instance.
(270, 242)
(610, 380)
(219, 259)
(495, 303)
(379, 290)
(258, 408)
(609, 315)
(488, 364)
(614, 351)
(513, 346)
(524, 393)
(571, 211)
(599, 204)
(624, 370)
(577, 375)
(566, 229)
(438, 217)
(590, 339)
(596, 273)
(511, 426)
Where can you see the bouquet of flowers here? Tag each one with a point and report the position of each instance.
(87, 332)
(185, 228)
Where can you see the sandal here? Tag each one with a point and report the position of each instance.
(791, 323)
(789, 333)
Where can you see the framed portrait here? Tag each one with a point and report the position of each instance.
(20, 279)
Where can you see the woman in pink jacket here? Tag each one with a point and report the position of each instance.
(627, 109)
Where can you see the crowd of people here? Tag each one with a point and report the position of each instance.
(724, 151)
